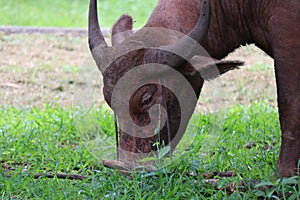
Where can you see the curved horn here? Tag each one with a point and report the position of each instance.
(94, 33)
(187, 45)
(97, 44)
(200, 30)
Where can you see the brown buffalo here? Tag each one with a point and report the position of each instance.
(219, 27)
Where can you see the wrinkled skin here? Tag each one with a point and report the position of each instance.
(272, 25)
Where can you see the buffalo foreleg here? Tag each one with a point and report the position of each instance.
(286, 52)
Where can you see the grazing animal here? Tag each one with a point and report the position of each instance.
(219, 27)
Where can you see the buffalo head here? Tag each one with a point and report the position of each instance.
(152, 79)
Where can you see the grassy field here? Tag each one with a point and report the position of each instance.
(70, 13)
(48, 141)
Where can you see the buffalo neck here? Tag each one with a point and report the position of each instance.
(233, 23)
(238, 22)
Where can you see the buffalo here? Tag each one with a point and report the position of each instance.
(144, 71)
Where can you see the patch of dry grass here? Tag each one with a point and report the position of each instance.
(38, 69)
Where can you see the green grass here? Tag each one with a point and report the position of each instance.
(260, 67)
(70, 13)
(50, 140)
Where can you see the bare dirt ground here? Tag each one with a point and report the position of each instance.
(40, 69)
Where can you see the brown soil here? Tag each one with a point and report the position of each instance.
(58, 70)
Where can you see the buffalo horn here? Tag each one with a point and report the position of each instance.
(96, 39)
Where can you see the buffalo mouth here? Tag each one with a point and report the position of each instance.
(138, 154)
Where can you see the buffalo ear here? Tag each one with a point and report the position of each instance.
(227, 65)
(122, 29)
(210, 68)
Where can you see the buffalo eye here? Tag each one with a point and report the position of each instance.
(146, 100)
